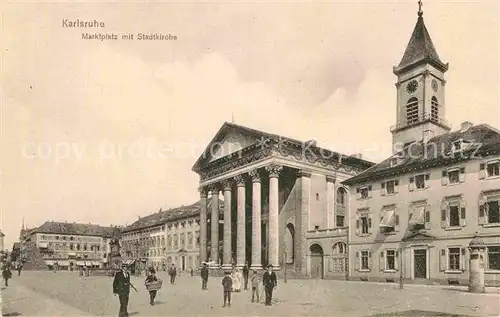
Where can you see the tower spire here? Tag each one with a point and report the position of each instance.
(420, 12)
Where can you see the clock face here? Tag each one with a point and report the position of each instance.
(435, 85)
(412, 86)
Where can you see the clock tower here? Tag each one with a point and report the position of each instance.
(420, 90)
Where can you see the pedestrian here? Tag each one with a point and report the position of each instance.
(6, 273)
(151, 279)
(270, 283)
(245, 275)
(121, 287)
(204, 276)
(19, 268)
(255, 280)
(192, 272)
(227, 285)
(173, 273)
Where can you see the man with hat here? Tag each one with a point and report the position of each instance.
(270, 283)
(173, 273)
(204, 276)
(121, 287)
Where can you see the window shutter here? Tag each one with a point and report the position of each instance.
(396, 260)
(396, 184)
(481, 214)
(383, 190)
(463, 259)
(442, 260)
(444, 178)
(358, 193)
(370, 223)
(369, 260)
(356, 261)
(411, 185)
(369, 191)
(382, 260)
(482, 171)
(396, 221)
(357, 224)
(444, 207)
(462, 175)
(463, 214)
(486, 211)
(427, 217)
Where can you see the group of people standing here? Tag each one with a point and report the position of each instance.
(232, 282)
(6, 268)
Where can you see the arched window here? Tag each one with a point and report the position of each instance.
(339, 248)
(434, 109)
(341, 196)
(412, 110)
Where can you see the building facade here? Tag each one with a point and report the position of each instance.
(163, 238)
(283, 202)
(415, 213)
(69, 245)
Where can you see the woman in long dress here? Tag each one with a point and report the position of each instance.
(236, 281)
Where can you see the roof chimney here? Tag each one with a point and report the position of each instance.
(427, 135)
(465, 126)
(357, 155)
(312, 142)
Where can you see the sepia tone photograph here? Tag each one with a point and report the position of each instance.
(250, 158)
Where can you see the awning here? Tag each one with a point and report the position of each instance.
(42, 245)
(95, 263)
(81, 263)
(88, 263)
(71, 254)
(418, 216)
(128, 262)
(388, 220)
(105, 260)
(49, 262)
(62, 263)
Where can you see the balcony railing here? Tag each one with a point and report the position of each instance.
(420, 119)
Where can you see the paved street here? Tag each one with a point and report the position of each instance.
(67, 294)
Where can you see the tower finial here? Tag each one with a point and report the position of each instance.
(420, 12)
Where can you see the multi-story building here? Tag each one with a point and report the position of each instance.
(283, 202)
(415, 213)
(166, 237)
(69, 245)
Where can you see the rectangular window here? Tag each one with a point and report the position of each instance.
(454, 259)
(364, 192)
(390, 185)
(454, 216)
(493, 169)
(364, 225)
(420, 181)
(494, 258)
(493, 212)
(390, 260)
(340, 221)
(454, 176)
(364, 260)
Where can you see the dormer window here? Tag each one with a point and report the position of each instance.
(363, 192)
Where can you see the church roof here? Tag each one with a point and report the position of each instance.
(420, 49)
(481, 140)
(228, 128)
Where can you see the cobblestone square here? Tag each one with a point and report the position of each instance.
(67, 294)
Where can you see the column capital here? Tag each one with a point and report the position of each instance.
(214, 188)
(226, 184)
(274, 170)
(331, 178)
(203, 192)
(239, 180)
(304, 173)
(255, 175)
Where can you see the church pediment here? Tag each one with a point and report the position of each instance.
(233, 142)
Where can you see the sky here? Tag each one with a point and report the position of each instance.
(84, 123)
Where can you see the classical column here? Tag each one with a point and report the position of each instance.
(330, 201)
(303, 221)
(215, 224)
(256, 220)
(273, 255)
(241, 222)
(203, 224)
(227, 252)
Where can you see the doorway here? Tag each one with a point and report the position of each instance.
(316, 261)
(420, 263)
(183, 263)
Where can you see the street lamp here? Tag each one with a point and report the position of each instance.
(401, 247)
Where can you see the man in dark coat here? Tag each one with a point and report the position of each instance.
(204, 276)
(173, 273)
(6, 273)
(121, 287)
(245, 275)
(270, 283)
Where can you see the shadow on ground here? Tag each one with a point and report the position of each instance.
(416, 313)
(12, 314)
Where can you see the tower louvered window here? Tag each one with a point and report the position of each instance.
(412, 111)
(434, 109)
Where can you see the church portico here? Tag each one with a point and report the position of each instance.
(274, 192)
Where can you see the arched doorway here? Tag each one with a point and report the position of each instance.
(316, 261)
(338, 264)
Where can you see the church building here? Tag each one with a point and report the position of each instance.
(415, 213)
(283, 203)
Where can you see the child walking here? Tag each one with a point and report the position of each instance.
(255, 280)
(227, 284)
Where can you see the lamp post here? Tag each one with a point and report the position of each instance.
(136, 244)
(401, 286)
